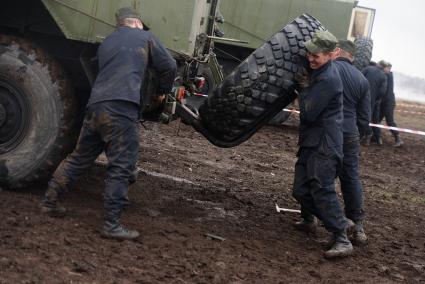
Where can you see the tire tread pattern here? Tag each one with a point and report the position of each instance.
(261, 85)
(364, 47)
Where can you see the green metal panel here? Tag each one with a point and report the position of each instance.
(334, 15)
(256, 20)
(176, 22)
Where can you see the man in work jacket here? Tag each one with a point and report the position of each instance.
(356, 123)
(111, 120)
(320, 140)
(378, 86)
(388, 104)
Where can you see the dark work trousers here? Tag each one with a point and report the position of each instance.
(350, 179)
(116, 135)
(375, 119)
(314, 187)
(387, 112)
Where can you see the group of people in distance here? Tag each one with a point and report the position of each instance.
(383, 101)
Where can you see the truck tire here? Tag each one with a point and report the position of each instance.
(259, 87)
(364, 47)
(38, 113)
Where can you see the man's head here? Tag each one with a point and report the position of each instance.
(320, 48)
(129, 17)
(385, 66)
(346, 49)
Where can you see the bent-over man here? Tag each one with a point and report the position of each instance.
(111, 120)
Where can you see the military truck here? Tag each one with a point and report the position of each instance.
(48, 64)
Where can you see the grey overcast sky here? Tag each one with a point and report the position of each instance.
(399, 34)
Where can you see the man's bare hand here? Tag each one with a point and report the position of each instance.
(302, 80)
(159, 98)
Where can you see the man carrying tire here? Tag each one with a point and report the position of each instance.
(111, 118)
(388, 104)
(320, 140)
(356, 124)
(378, 86)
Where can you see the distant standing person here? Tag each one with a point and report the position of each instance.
(378, 87)
(111, 119)
(388, 104)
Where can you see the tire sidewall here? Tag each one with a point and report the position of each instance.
(34, 81)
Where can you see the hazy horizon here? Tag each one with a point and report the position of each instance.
(398, 34)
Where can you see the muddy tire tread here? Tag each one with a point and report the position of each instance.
(68, 126)
(363, 56)
(262, 81)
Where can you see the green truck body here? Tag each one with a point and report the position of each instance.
(251, 22)
(254, 21)
(176, 23)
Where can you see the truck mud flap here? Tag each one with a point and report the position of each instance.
(258, 88)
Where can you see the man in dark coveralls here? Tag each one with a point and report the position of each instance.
(111, 120)
(320, 140)
(388, 104)
(378, 86)
(356, 123)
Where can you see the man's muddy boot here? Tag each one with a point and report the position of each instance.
(359, 236)
(398, 142)
(342, 246)
(50, 205)
(366, 140)
(114, 230)
(308, 225)
(379, 141)
(351, 227)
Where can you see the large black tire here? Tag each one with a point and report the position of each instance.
(38, 124)
(363, 55)
(259, 87)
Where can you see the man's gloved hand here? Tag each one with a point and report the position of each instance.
(302, 80)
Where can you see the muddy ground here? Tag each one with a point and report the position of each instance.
(227, 193)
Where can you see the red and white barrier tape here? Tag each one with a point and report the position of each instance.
(411, 112)
(291, 110)
(411, 106)
(398, 129)
(377, 125)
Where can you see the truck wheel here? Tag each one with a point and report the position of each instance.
(37, 113)
(364, 47)
(259, 87)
